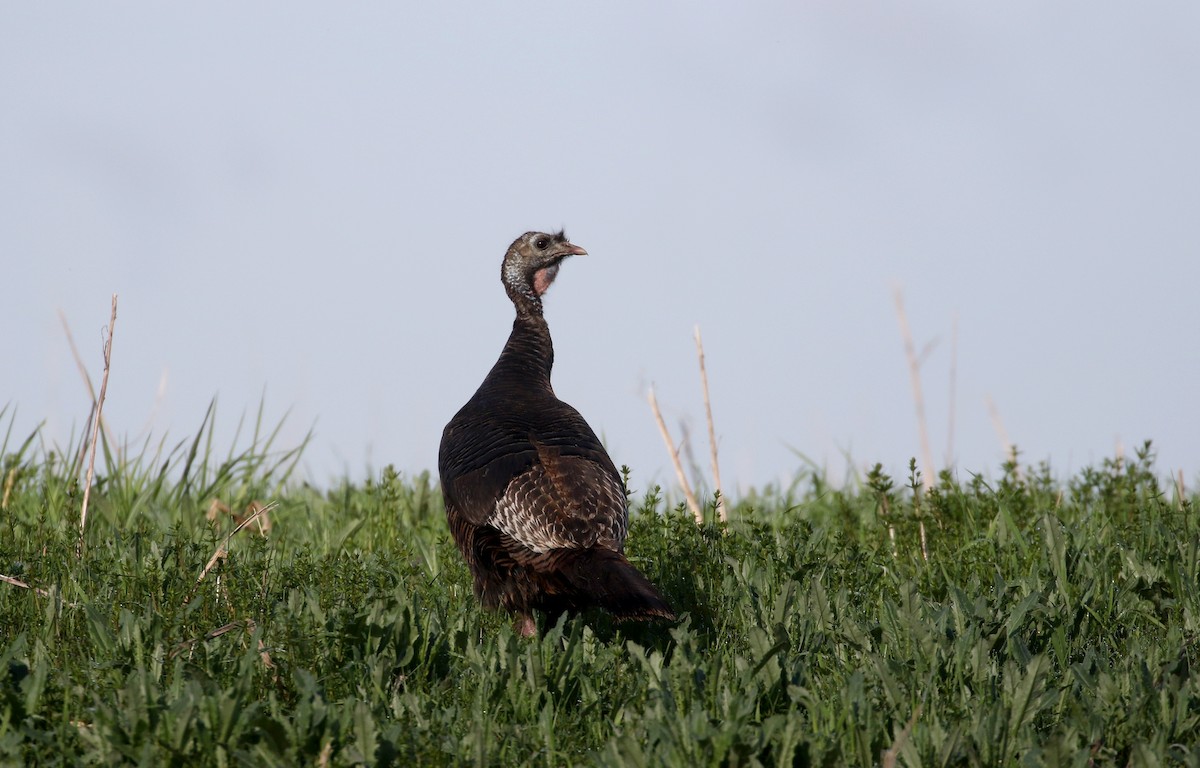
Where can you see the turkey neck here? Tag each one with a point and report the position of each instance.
(528, 355)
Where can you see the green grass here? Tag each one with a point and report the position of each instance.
(1052, 623)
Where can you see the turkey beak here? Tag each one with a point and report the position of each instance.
(575, 250)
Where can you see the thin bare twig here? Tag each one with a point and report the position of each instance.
(23, 585)
(87, 488)
(91, 394)
(885, 511)
(693, 505)
(9, 480)
(914, 370)
(248, 625)
(222, 548)
(224, 629)
(87, 382)
(888, 758)
(712, 433)
(325, 755)
(36, 590)
(83, 371)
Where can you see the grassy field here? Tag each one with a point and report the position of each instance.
(1012, 618)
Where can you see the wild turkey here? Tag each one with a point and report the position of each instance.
(533, 500)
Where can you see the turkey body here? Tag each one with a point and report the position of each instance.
(534, 502)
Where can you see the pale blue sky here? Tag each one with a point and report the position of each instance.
(313, 200)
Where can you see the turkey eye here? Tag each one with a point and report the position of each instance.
(542, 243)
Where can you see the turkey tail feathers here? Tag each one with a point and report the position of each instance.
(619, 588)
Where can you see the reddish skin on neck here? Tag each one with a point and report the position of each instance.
(543, 278)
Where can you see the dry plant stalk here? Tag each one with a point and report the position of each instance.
(87, 382)
(248, 625)
(218, 509)
(914, 370)
(712, 433)
(83, 372)
(36, 590)
(9, 480)
(326, 754)
(224, 629)
(99, 406)
(888, 758)
(887, 511)
(693, 505)
(23, 585)
(222, 548)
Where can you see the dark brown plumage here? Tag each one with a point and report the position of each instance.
(533, 500)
